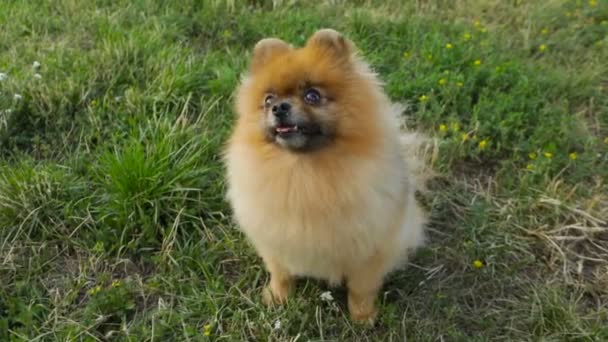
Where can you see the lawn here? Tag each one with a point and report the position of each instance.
(113, 221)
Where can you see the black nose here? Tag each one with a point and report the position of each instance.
(281, 110)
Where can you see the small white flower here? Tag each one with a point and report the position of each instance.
(36, 65)
(17, 97)
(2, 76)
(277, 325)
(326, 296)
(37, 76)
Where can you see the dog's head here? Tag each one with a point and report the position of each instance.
(304, 99)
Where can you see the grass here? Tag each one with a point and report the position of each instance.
(113, 223)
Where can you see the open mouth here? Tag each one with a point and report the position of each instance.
(307, 129)
(301, 136)
(285, 129)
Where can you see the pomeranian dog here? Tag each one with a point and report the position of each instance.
(317, 177)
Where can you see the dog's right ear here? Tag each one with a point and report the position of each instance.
(332, 42)
(266, 49)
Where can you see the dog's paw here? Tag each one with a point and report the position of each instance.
(364, 317)
(362, 309)
(272, 298)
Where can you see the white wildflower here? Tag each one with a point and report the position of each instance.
(277, 325)
(326, 296)
(17, 97)
(37, 76)
(2, 76)
(36, 65)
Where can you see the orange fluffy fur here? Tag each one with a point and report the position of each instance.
(345, 212)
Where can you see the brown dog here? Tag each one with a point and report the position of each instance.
(317, 178)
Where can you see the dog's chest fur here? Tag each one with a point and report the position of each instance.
(317, 217)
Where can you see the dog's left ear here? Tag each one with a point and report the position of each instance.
(332, 41)
(266, 49)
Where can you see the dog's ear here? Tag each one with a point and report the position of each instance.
(332, 41)
(266, 49)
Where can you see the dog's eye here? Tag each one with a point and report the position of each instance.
(312, 96)
(268, 99)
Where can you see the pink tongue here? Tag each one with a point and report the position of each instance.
(284, 129)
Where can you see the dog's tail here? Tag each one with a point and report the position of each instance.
(420, 151)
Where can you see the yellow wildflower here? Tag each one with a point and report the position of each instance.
(477, 264)
(98, 247)
(477, 62)
(573, 155)
(423, 98)
(477, 23)
(116, 283)
(443, 128)
(442, 81)
(94, 290)
(532, 155)
(467, 36)
(483, 144)
(460, 84)
(464, 137)
(207, 331)
(542, 48)
(483, 30)
(406, 54)
(449, 46)
(530, 167)
(592, 3)
(548, 155)
(545, 31)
